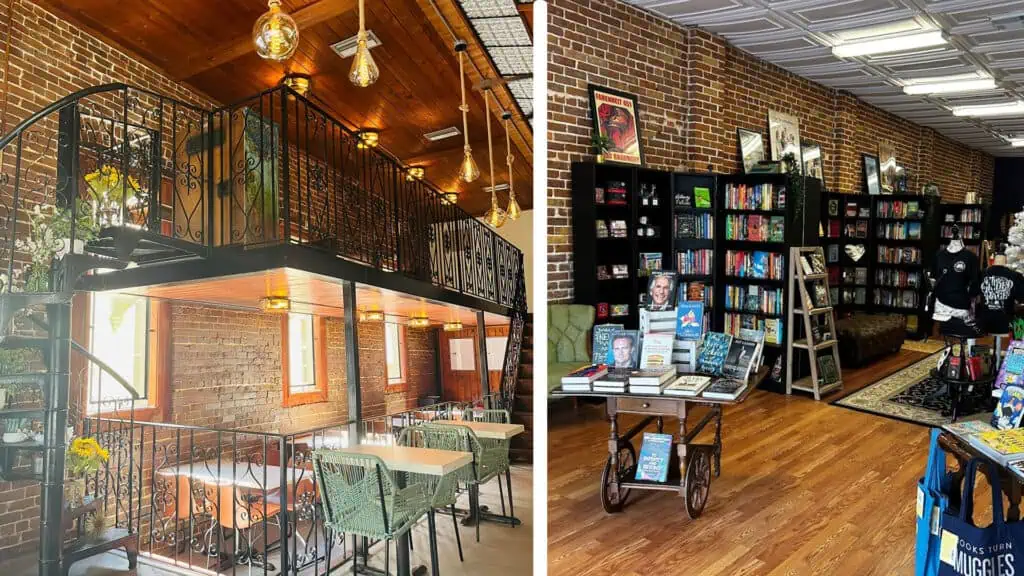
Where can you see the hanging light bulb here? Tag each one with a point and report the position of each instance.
(364, 70)
(495, 216)
(513, 211)
(275, 34)
(468, 170)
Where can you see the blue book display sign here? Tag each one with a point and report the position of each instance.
(654, 457)
(690, 320)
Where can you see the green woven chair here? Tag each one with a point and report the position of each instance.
(443, 489)
(362, 497)
(500, 446)
(486, 463)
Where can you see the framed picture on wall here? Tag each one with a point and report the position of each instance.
(888, 171)
(751, 146)
(811, 154)
(872, 183)
(784, 135)
(617, 117)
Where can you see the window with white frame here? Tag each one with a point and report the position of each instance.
(118, 337)
(394, 352)
(301, 355)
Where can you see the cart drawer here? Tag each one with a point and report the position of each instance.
(655, 407)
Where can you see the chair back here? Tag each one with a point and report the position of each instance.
(442, 489)
(356, 490)
(491, 416)
(467, 441)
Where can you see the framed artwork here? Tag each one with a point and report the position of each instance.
(888, 171)
(811, 154)
(784, 135)
(872, 183)
(751, 146)
(617, 116)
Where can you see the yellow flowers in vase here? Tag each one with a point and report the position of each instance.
(85, 456)
(110, 191)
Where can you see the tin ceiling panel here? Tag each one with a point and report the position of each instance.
(798, 35)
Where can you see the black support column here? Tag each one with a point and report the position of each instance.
(481, 347)
(355, 399)
(57, 358)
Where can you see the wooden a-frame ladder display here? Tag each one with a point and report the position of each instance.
(809, 311)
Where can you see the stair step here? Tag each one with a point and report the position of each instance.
(21, 413)
(526, 371)
(11, 342)
(524, 386)
(30, 445)
(110, 539)
(526, 356)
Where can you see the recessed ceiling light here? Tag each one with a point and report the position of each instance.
(901, 43)
(950, 84)
(1005, 109)
(448, 132)
(347, 47)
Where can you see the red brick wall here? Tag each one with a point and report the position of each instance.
(694, 90)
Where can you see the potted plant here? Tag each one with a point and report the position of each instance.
(14, 430)
(49, 239)
(601, 144)
(85, 457)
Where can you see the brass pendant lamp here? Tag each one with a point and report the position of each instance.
(495, 216)
(468, 170)
(364, 70)
(513, 211)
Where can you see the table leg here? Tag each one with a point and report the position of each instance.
(718, 441)
(1014, 495)
(613, 451)
(681, 449)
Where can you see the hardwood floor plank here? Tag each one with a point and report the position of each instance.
(806, 488)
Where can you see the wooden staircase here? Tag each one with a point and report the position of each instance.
(522, 410)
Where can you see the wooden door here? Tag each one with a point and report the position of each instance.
(463, 385)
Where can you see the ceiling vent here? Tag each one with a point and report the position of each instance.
(498, 188)
(347, 47)
(442, 134)
(1013, 21)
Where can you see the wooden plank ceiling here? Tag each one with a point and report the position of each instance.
(208, 45)
(309, 294)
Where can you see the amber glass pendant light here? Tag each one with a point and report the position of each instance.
(364, 70)
(513, 211)
(275, 34)
(495, 216)
(468, 170)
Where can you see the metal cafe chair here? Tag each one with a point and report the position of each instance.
(443, 489)
(501, 447)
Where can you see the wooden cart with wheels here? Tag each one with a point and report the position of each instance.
(692, 464)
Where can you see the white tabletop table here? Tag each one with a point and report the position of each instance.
(418, 460)
(240, 474)
(491, 430)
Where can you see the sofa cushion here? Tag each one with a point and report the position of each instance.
(569, 327)
(558, 370)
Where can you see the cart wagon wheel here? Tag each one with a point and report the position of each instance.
(698, 482)
(613, 501)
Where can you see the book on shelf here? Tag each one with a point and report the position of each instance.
(649, 262)
(655, 457)
(620, 270)
(1008, 411)
(687, 385)
(602, 341)
(602, 228)
(851, 209)
(833, 253)
(618, 229)
(765, 197)
(713, 352)
(724, 389)
(827, 371)
(615, 381)
(603, 273)
(657, 350)
(619, 310)
(806, 265)
(1003, 446)
(691, 262)
(756, 264)
(683, 199)
(695, 291)
(701, 197)
(754, 298)
(616, 193)
(598, 195)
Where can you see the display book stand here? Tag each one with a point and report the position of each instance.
(810, 312)
(690, 466)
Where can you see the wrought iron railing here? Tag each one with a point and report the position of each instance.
(274, 168)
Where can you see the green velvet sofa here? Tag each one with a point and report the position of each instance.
(569, 329)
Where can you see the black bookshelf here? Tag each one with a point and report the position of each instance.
(902, 257)
(590, 251)
(972, 220)
(847, 220)
(799, 216)
(684, 205)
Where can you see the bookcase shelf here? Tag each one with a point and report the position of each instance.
(980, 211)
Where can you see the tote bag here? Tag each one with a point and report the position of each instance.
(967, 550)
(932, 499)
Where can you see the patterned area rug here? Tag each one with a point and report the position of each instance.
(904, 395)
(928, 346)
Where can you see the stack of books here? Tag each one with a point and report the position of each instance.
(651, 381)
(687, 385)
(580, 380)
(1002, 446)
(614, 382)
(725, 389)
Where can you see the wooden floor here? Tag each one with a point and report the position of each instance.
(806, 488)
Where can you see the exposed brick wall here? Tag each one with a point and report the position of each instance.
(694, 90)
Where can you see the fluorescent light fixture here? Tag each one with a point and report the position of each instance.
(1005, 109)
(442, 134)
(885, 29)
(892, 44)
(949, 86)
